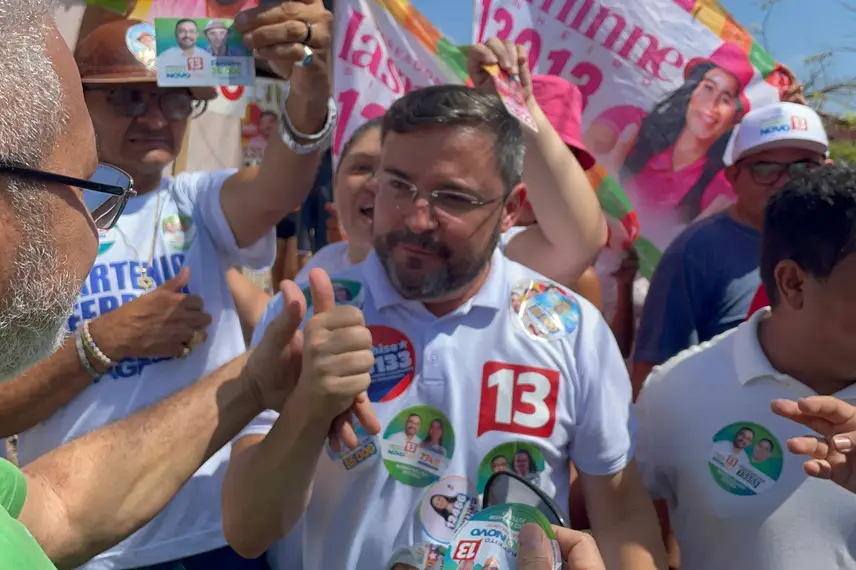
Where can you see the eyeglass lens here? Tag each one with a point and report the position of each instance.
(130, 102)
(106, 208)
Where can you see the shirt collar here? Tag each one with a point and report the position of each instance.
(749, 358)
(751, 362)
(492, 294)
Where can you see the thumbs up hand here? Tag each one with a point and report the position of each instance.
(337, 359)
(164, 322)
(274, 365)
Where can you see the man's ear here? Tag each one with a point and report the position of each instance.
(513, 206)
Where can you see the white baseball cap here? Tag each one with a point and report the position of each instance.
(780, 125)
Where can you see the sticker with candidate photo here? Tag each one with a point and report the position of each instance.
(395, 363)
(446, 506)
(365, 453)
(140, 39)
(345, 291)
(417, 446)
(746, 459)
(201, 52)
(520, 457)
(544, 310)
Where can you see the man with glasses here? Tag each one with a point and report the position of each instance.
(436, 293)
(706, 279)
(155, 313)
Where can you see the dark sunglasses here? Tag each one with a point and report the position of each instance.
(768, 173)
(109, 190)
(507, 487)
(134, 102)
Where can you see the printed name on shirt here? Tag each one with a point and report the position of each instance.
(395, 361)
(110, 285)
(518, 399)
(746, 459)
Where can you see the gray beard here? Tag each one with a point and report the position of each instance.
(41, 293)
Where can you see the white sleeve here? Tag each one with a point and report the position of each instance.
(605, 433)
(648, 416)
(506, 236)
(202, 191)
(260, 425)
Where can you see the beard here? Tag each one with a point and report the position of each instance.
(41, 292)
(414, 281)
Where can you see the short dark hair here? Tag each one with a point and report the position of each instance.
(459, 105)
(358, 133)
(744, 428)
(811, 221)
(268, 114)
(183, 20)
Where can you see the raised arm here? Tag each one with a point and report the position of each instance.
(571, 228)
(89, 494)
(269, 479)
(255, 199)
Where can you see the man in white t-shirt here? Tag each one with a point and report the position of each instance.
(761, 511)
(155, 311)
(436, 296)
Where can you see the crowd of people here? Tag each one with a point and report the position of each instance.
(457, 331)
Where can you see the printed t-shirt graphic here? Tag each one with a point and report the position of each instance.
(494, 384)
(192, 231)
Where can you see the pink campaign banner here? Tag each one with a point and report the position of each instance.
(661, 91)
(382, 50)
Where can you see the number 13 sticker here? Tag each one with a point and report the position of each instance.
(518, 399)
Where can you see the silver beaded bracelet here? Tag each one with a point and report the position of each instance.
(81, 354)
(99, 355)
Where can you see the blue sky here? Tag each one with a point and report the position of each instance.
(796, 28)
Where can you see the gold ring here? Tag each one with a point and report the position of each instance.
(195, 340)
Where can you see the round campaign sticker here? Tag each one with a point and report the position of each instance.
(446, 506)
(746, 459)
(364, 454)
(520, 457)
(140, 39)
(178, 231)
(417, 445)
(545, 310)
(395, 361)
(347, 292)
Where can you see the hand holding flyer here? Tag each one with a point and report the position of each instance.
(509, 90)
(500, 67)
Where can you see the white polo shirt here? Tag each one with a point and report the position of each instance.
(185, 222)
(484, 389)
(738, 510)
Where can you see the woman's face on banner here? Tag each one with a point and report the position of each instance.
(713, 106)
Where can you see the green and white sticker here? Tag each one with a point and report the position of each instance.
(347, 292)
(746, 459)
(519, 457)
(417, 445)
(489, 540)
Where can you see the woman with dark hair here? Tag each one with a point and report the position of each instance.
(670, 160)
(434, 441)
(524, 465)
